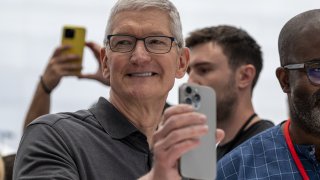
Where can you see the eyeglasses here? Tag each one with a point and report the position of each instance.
(153, 44)
(312, 69)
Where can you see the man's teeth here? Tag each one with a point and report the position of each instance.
(142, 74)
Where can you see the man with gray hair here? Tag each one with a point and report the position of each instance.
(290, 150)
(120, 138)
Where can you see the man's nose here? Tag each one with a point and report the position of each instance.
(140, 53)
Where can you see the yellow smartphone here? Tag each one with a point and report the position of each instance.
(75, 37)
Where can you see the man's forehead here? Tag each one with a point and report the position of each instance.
(151, 20)
(306, 46)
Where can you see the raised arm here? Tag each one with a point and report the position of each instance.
(59, 65)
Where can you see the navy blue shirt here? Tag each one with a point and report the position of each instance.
(95, 144)
(266, 156)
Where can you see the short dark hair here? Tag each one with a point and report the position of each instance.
(237, 45)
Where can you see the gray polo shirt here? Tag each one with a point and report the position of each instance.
(95, 144)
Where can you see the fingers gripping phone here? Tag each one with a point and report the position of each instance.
(200, 163)
(75, 37)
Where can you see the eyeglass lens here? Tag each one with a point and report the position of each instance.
(155, 44)
(122, 43)
(314, 74)
(313, 71)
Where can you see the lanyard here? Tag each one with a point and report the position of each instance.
(293, 151)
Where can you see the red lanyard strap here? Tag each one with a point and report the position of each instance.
(293, 151)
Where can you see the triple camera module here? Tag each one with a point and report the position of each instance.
(191, 96)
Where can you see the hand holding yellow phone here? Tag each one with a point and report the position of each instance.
(74, 36)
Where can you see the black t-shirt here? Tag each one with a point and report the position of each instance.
(95, 144)
(254, 129)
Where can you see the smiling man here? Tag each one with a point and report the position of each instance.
(143, 54)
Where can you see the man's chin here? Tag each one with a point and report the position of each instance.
(311, 123)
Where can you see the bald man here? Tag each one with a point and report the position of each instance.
(290, 150)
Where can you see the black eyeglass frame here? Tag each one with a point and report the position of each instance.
(305, 66)
(144, 42)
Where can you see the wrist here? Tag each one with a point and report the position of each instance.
(44, 86)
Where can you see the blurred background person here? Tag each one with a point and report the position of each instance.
(2, 172)
(8, 161)
(59, 66)
(229, 60)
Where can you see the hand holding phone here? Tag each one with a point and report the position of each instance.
(74, 36)
(200, 163)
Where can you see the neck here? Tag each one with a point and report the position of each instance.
(299, 136)
(144, 115)
(238, 118)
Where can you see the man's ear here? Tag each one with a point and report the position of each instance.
(283, 79)
(245, 75)
(104, 64)
(183, 62)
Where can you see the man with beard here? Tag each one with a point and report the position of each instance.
(229, 60)
(290, 150)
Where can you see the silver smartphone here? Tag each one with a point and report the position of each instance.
(200, 163)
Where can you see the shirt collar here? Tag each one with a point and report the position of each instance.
(112, 121)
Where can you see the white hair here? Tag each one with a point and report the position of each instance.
(136, 5)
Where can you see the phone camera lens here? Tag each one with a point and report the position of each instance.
(197, 98)
(188, 100)
(188, 90)
(69, 33)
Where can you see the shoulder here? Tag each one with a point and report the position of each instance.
(265, 123)
(258, 143)
(57, 132)
(242, 161)
(259, 126)
(65, 117)
(64, 126)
